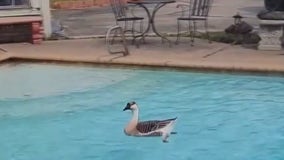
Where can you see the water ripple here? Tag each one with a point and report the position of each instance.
(220, 116)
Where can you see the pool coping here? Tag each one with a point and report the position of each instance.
(165, 61)
(198, 69)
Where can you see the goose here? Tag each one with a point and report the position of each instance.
(161, 128)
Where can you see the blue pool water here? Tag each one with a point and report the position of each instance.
(51, 112)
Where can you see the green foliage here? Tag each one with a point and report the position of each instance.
(251, 38)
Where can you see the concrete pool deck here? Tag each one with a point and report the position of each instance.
(202, 56)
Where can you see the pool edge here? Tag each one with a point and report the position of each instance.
(159, 66)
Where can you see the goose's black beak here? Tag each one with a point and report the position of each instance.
(127, 107)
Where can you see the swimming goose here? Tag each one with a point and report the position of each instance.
(148, 128)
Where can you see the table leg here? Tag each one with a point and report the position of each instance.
(142, 35)
(151, 21)
(149, 18)
(157, 7)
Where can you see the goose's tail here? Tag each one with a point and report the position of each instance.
(167, 131)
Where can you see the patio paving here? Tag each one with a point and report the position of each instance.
(214, 56)
(95, 21)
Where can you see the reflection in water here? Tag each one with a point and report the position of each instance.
(220, 116)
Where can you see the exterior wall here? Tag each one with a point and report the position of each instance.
(45, 12)
(44, 7)
(38, 7)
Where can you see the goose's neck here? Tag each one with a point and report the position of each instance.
(135, 116)
(130, 129)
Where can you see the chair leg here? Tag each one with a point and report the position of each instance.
(113, 37)
(207, 33)
(132, 32)
(126, 51)
(141, 30)
(116, 29)
(178, 32)
(192, 33)
(134, 41)
(189, 29)
(125, 25)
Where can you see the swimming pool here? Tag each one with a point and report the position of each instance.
(55, 112)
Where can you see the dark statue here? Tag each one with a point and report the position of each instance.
(274, 10)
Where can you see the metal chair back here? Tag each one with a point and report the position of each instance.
(200, 7)
(118, 8)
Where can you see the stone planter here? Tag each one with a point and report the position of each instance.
(271, 34)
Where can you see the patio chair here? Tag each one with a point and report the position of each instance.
(122, 14)
(198, 10)
(113, 33)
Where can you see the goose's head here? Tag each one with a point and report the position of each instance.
(131, 106)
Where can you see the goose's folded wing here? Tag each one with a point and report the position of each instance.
(150, 126)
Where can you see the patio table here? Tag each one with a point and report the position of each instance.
(151, 15)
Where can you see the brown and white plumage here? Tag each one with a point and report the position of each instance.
(147, 128)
